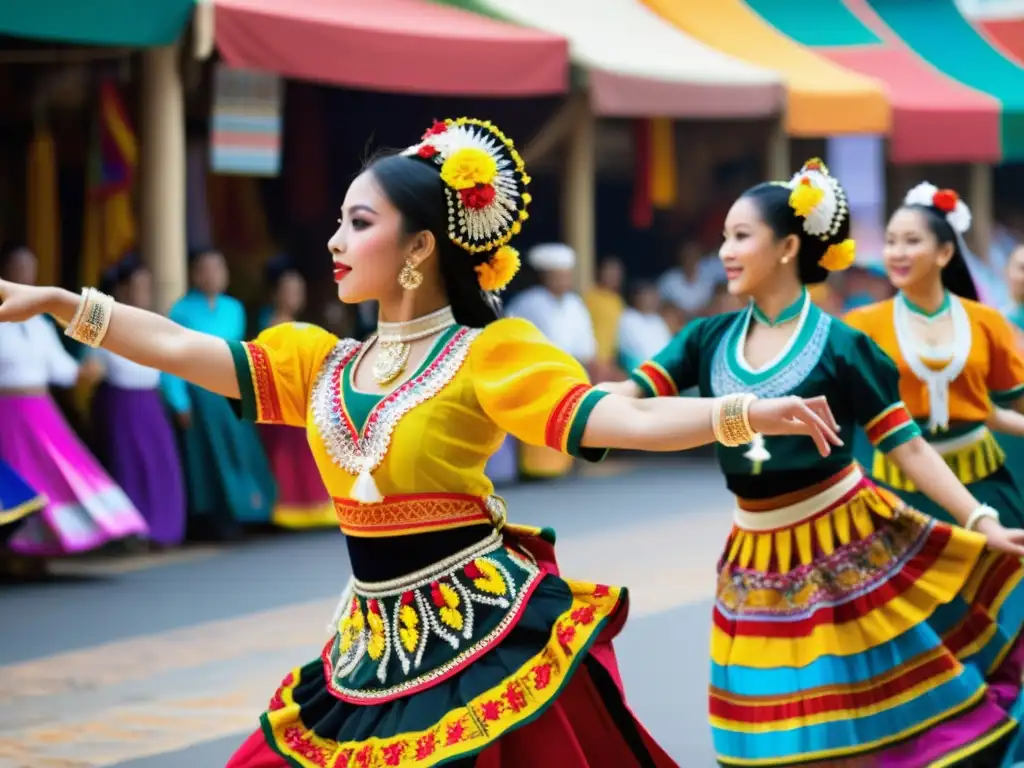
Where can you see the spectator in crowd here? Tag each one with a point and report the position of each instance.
(690, 286)
(229, 480)
(643, 331)
(302, 500)
(605, 305)
(134, 435)
(561, 315)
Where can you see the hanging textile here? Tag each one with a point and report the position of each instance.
(109, 232)
(245, 122)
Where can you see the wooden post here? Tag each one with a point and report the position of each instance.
(162, 175)
(981, 209)
(778, 152)
(579, 191)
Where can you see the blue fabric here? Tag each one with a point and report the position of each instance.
(13, 490)
(225, 318)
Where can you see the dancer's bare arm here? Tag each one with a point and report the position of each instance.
(136, 334)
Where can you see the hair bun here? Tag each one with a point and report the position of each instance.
(484, 179)
(945, 202)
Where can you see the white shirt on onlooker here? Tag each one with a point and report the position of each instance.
(692, 296)
(563, 319)
(32, 357)
(642, 336)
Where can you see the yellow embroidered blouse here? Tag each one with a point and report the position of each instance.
(433, 433)
(992, 373)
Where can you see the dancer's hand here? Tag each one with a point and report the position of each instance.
(1008, 540)
(20, 302)
(797, 416)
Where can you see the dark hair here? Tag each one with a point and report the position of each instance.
(7, 251)
(956, 277)
(637, 287)
(773, 202)
(120, 273)
(415, 188)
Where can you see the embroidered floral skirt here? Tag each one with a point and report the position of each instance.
(849, 626)
(441, 665)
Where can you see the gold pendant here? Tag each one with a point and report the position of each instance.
(390, 363)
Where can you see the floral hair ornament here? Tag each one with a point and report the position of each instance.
(818, 198)
(945, 201)
(485, 187)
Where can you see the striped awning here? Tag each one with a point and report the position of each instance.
(1001, 21)
(823, 98)
(951, 44)
(637, 65)
(928, 107)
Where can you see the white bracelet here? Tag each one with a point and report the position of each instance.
(979, 514)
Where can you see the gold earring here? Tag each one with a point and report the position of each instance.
(410, 278)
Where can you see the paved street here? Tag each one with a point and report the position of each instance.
(165, 662)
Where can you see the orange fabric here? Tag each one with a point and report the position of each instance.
(823, 97)
(993, 364)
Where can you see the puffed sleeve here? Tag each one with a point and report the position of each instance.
(676, 367)
(871, 383)
(1005, 366)
(277, 370)
(532, 389)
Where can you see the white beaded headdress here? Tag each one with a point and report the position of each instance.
(819, 199)
(485, 188)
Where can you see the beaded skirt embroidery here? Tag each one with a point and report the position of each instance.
(439, 664)
(863, 628)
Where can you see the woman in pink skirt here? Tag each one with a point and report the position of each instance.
(85, 508)
(302, 500)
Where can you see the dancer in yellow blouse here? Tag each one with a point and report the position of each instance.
(456, 637)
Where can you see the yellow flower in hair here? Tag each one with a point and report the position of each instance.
(839, 256)
(805, 198)
(497, 272)
(467, 167)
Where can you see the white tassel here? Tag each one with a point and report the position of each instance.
(365, 490)
(758, 453)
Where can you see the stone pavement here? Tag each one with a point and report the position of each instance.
(157, 663)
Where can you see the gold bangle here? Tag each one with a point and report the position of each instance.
(76, 319)
(92, 319)
(731, 420)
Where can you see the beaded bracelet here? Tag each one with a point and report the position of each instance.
(92, 318)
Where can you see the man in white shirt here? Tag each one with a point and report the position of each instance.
(643, 332)
(553, 306)
(690, 287)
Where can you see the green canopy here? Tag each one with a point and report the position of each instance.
(133, 23)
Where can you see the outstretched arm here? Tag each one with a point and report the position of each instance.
(680, 423)
(144, 337)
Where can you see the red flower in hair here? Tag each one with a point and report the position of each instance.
(426, 151)
(945, 200)
(477, 197)
(438, 127)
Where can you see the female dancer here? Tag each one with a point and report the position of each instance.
(847, 625)
(229, 479)
(457, 636)
(85, 508)
(134, 433)
(302, 500)
(956, 357)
